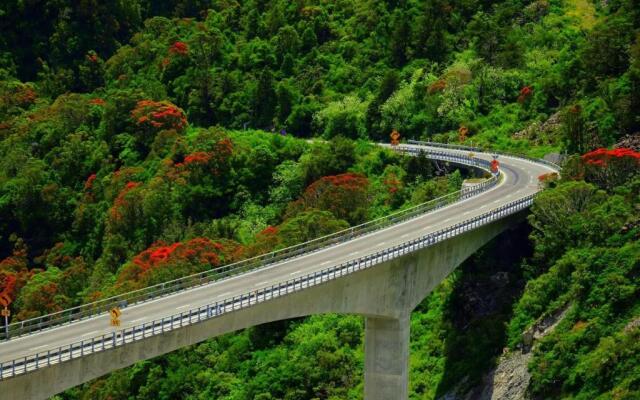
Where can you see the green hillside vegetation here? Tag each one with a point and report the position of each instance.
(142, 141)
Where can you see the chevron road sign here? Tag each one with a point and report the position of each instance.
(115, 316)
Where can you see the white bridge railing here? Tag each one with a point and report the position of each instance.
(123, 300)
(216, 309)
(81, 348)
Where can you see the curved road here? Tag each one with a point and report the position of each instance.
(519, 180)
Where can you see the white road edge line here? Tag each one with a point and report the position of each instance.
(242, 276)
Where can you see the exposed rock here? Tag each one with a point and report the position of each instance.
(541, 133)
(632, 225)
(542, 327)
(630, 142)
(510, 379)
(634, 324)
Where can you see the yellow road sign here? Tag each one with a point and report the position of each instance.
(115, 316)
(5, 312)
(395, 137)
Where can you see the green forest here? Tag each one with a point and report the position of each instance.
(142, 141)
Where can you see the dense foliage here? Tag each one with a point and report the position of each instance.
(142, 140)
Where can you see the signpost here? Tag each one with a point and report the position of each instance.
(115, 316)
(395, 138)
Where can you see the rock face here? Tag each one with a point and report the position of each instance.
(542, 133)
(510, 379)
(630, 142)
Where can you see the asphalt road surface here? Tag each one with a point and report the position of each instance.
(520, 180)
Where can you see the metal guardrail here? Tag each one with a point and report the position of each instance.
(64, 353)
(444, 145)
(490, 151)
(226, 271)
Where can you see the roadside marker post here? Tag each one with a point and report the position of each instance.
(115, 316)
(6, 313)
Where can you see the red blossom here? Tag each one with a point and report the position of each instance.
(269, 231)
(120, 204)
(344, 195)
(548, 177)
(575, 109)
(438, 86)
(8, 286)
(199, 157)
(179, 48)
(194, 255)
(525, 93)
(603, 156)
(97, 102)
(392, 183)
(610, 168)
(92, 57)
(88, 184)
(25, 96)
(212, 161)
(159, 114)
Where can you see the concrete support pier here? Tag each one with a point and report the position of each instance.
(384, 294)
(386, 358)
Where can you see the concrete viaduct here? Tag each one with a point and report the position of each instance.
(381, 272)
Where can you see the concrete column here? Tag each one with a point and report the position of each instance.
(386, 358)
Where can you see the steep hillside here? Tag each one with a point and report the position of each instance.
(141, 141)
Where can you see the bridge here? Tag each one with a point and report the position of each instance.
(381, 270)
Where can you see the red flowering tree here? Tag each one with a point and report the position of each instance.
(152, 117)
(162, 262)
(345, 196)
(525, 94)
(548, 179)
(610, 168)
(15, 95)
(25, 96)
(392, 181)
(97, 102)
(267, 240)
(14, 271)
(91, 71)
(158, 115)
(209, 162)
(127, 209)
(88, 184)
(179, 48)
